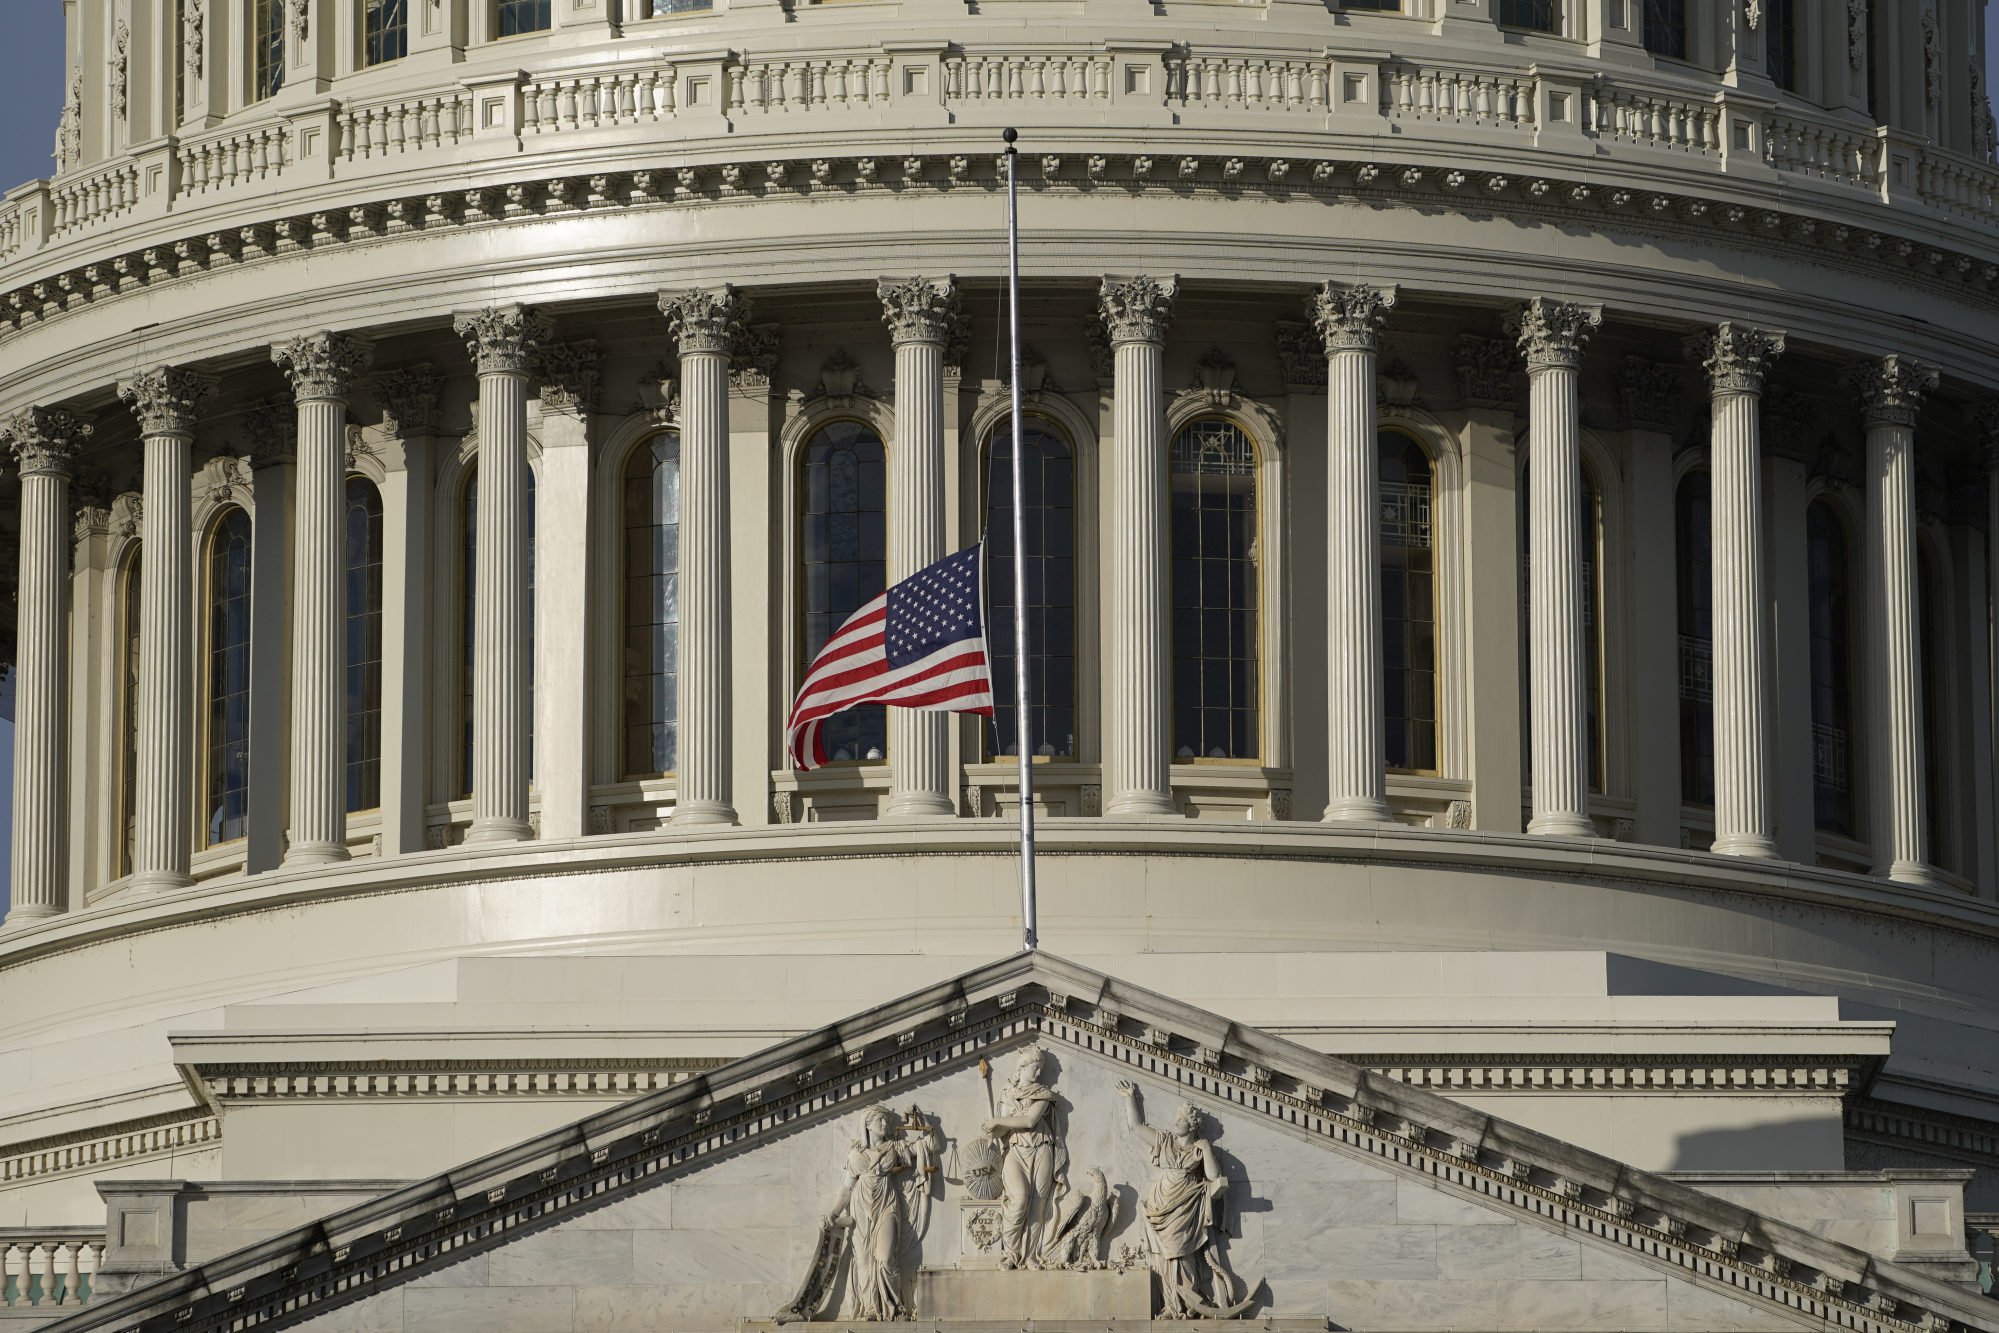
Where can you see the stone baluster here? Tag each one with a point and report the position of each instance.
(1735, 358)
(88, 1256)
(706, 324)
(44, 442)
(1138, 777)
(42, 1272)
(13, 1274)
(1350, 321)
(322, 368)
(1892, 391)
(1552, 335)
(502, 342)
(923, 318)
(164, 401)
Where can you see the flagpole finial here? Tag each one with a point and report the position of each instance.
(1008, 136)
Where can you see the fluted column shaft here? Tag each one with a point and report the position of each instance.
(1552, 335)
(164, 401)
(922, 316)
(321, 367)
(44, 443)
(1892, 391)
(502, 342)
(1138, 777)
(1349, 321)
(1735, 358)
(706, 324)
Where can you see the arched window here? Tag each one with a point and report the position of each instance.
(364, 644)
(1216, 690)
(519, 16)
(1935, 802)
(1832, 610)
(227, 785)
(469, 518)
(652, 606)
(1592, 539)
(385, 30)
(843, 548)
(1693, 555)
(128, 711)
(1048, 483)
(267, 48)
(1408, 604)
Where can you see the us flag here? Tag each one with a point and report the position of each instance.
(921, 644)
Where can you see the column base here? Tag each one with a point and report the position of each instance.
(1913, 873)
(498, 830)
(1140, 805)
(704, 812)
(313, 854)
(1356, 810)
(158, 881)
(1563, 824)
(919, 805)
(24, 914)
(1747, 844)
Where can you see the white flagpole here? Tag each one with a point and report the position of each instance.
(1023, 731)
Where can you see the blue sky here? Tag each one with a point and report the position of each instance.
(30, 101)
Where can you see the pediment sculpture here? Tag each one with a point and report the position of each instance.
(877, 1224)
(1184, 1222)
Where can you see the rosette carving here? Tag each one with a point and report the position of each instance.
(324, 364)
(1138, 310)
(44, 440)
(503, 340)
(164, 399)
(1350, 319)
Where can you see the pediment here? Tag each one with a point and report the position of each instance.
(1300, 1191)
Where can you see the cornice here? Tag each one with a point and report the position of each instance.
(647, 1142)
(527, 1078)
(99, 1149)
(1471, 191)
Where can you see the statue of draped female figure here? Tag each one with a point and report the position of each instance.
(1183, 1212)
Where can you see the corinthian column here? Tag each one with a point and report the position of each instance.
(322, 368)
(1350, 321)
(1552, 335)
(1892, 392)
(922, 317)
(501, 342)
(1138, 778)
(706, 324)
(44, 442)
(1735, 357)
(164, 400)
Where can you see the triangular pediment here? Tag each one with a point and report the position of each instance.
(1347, 1200)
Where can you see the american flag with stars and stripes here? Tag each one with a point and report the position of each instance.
(921, 644)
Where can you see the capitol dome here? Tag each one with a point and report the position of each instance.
(1510, 498)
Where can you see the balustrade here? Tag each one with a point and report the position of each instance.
(105, 193)
(49, 1269)
(811, 83)
(1411, 92)
(233, 157)
(1821, 148)
(1266, 84)
(406, 125)
(1657, 120)
(1959, 185)
(597, 101)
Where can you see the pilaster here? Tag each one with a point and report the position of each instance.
(1788, 456)
(409, 401)
(753, 414)
(1552, 335)
(567, 378)
(1892, 391)
(923, 317)
(164, 400)
(44, 443)
(1350, 320)
(273, 430)
(502, 342)
(1650, 394)
(1734, 358)
(1137, 765)
(707, 325)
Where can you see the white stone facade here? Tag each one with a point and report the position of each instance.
(1523, 499)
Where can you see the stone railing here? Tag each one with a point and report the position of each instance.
(1668, 135)
(48, 1268)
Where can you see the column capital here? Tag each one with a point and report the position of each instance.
(921, 310)
(1552, 334)
(1649, 393)
(272, 425)
(1892, 389)
(1985, 417)
(1487, 369)
(44, 440)
(502, 340)
(1350, 318)
(164, 398)
(706, 319)
(568, 376)
(1137, 309)
(324, 364)
(409, 396)
(1735, 356)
